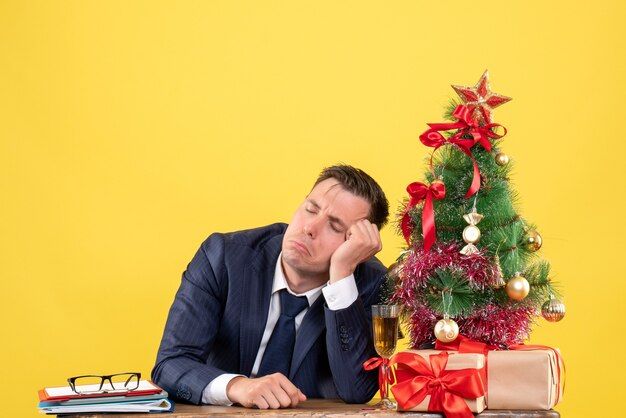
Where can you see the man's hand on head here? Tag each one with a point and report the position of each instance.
(273, 391)
(362, 242)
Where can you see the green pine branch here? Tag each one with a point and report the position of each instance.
(448, 292)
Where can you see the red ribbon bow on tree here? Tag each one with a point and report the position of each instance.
(416, 379)
(466, 125)
(419, 192)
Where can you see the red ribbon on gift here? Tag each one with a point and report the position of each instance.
(384, 374)
(417, 378)
(463, 344)
(466, 125)
(420, 192)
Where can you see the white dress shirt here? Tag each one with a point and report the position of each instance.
(338, 295)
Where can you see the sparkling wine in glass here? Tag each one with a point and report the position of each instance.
(385, 323)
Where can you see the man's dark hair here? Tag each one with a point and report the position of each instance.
(359, 183)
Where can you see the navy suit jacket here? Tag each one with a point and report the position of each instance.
(219, 313)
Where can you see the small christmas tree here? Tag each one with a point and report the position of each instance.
(471, 266)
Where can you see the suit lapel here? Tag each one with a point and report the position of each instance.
(312, 326)
(255, 302)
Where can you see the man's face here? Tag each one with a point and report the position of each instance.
(319, 226)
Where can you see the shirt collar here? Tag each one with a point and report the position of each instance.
(280, 283)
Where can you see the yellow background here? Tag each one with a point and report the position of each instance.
(130, 130)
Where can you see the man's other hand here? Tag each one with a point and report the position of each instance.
(362, 242)
(273, 391)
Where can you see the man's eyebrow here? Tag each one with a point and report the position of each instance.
(313, 202)
(331, 217)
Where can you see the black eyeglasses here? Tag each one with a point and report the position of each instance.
(90, 384)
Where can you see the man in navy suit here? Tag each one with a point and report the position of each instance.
(219, 337)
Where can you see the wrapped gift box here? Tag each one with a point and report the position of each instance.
(466, 363)
(524, 379)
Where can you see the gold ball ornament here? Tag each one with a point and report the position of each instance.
(446, 330)
(395, 272)
(553, 310)
(533, 241)
(502, 159)
(517, 287)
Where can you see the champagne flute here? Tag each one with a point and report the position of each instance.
(385, 323)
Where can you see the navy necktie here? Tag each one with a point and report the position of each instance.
(279, 350)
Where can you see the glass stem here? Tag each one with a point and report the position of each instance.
(385, 388)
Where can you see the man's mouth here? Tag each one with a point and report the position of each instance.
(301, 247)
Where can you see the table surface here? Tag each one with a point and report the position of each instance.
(319, 408)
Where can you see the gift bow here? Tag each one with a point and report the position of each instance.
(384, 374)
(417, 378)
(466, 125)
(420, 192)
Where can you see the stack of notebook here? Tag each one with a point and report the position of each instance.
(148, 397)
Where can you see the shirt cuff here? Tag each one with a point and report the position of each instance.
(215, 392)
(341, 294)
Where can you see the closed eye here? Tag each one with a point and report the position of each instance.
(336, 228)
(311, 206)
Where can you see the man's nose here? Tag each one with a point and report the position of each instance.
(311, 227)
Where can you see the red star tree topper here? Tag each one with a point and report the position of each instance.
(480, 99)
